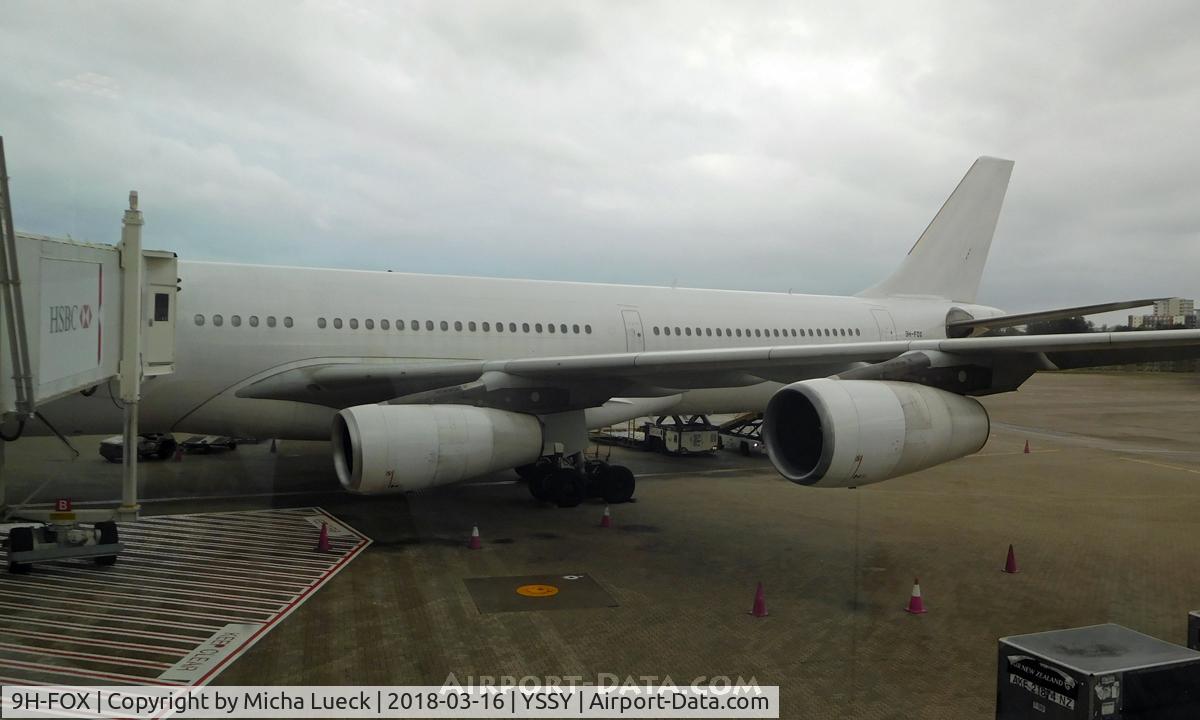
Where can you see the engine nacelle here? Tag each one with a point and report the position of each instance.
(844, 433)
(395, 448)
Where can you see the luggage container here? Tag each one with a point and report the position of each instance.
(1101, 672)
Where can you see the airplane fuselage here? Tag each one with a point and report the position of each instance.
(240, 323)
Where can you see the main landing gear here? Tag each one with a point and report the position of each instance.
(551, 480)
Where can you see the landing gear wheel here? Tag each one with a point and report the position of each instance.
(618, 485)
(106, 534)
(570, 487)
(19, 540)
(595, 471)
(541, 488)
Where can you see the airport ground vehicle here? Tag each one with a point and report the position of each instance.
(743, 435)
(681, 434)
(62, 538)
(152, 446)
(204, 444)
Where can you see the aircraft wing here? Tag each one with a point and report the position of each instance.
(972, 366)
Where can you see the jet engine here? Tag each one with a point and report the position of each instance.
(844, 433)
(394, 448)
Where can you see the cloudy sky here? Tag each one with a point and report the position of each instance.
(754, 145)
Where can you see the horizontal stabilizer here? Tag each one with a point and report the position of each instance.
(963, 328)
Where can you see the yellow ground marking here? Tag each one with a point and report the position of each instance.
(537, 591)
(1163, 465)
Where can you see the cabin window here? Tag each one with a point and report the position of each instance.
(550, 327)
(270, 321)
(369, 324)
(218, 321)
(512, 327)
(525, 327)
(471, 326)
(384, 325)
(337, 323)
(757, 332)
(656, 332)
(587, 329)
(287, 321)
(353, 323)
(199, 319)
(235, 320)
(458, 325)
(575, 329)
(487, 326)
(428, 324)
(321, 323)
(718, 332)
(562, 327)
(538, 327)
(253, 321)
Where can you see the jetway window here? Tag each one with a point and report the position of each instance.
(384, 325)
(458, 325)
(218, 321)
(162, 307)
(587, 329)
(235, 320)
(471, 326)
(253, 321)
(337, 323)
(199, 319)
(321, 323)
(270, 321)
(369, 324)
(287, 321)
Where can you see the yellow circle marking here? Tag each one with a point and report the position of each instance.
(537, 591)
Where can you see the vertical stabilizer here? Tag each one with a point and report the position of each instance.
(947, 261)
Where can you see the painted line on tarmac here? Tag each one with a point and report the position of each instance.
(1014, 452)
(1163, 465)
(708, 472)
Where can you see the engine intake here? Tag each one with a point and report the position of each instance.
(844, 433)
(394, 448)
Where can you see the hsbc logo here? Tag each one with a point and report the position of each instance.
(65, 318)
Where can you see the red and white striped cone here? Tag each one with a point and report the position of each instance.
(1010, 565)
(606, 518)
(323, 539)
(474, 543)
(916, 605)
(760, 602)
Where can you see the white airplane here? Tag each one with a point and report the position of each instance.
(422, 380)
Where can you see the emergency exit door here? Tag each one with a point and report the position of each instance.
(634, 340)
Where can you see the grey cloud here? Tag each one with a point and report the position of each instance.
(760, 145)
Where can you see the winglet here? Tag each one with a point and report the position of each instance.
(947, 260)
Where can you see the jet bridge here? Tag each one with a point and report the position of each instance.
(77, 315)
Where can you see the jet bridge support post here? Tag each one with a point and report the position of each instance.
(131, 360)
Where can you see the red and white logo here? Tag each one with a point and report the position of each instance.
(85, 316)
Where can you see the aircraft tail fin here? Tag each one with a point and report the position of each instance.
(947, 260)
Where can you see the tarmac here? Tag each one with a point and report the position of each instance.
(1102, 513)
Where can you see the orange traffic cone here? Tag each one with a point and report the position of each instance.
(916, 605)
(760, 602)
(606, 518)
(323, 539)
(474, 543)
(1010, 565)
(1026, 447)
(178, 454)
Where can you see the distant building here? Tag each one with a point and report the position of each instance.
(1169, 313)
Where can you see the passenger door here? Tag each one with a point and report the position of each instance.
(634, 340)
(883, 320)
